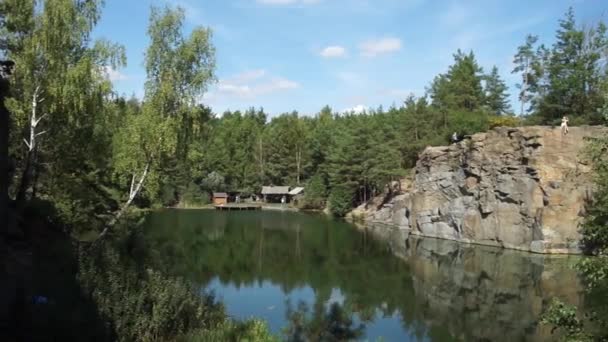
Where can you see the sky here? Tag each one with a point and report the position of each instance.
(286, 55)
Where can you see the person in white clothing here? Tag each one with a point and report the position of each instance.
(564, 126)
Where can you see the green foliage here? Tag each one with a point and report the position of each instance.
(143, 304)
(565, 317)
(340, 200)
(595, 229)
(496, 95)
(193, 196)
(504, 121)
(335, 324)
(460, 87)
(64, 73)
(567, 79)
(315, 194)
(249, 331)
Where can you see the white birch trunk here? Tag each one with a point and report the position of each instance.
(133, 191)
(31, 146)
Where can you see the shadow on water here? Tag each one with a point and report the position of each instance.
(400, 287)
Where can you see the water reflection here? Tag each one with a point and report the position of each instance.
(332, 324)
(382, 282)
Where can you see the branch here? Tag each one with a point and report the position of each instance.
(38, 120)
(27, 143)
(132, 184)
(40, 133)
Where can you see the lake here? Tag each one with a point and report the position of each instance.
(305, 274)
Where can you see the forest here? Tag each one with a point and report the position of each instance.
(82, 156)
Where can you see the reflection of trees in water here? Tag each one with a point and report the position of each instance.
(439, 289)
(332, 324)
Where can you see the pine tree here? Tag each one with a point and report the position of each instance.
(528, 64)
(496, 95)
(574, 72)
(461, 87)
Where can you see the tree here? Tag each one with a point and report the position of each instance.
(575, 72)
(528, 64)
(496, 95)
(60, 89)
(340, 200)
(461, 87)
(5, 71)
(179, 69)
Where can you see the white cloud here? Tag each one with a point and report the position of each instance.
(373, 48)
(333, 51)
(113, 74)
(358, 109)
(253, 83)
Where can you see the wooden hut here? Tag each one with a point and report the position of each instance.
(274, 194)
(220, 198)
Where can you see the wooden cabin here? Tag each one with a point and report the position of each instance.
(273, 194)
(220, 198)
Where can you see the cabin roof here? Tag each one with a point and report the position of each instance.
(296, 191)
(220, 195)
(275, 190)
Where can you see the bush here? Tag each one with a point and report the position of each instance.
(249, 331)
(504, 121)
(143, 304)
(194, 196)
(466, 123)
(340, 201)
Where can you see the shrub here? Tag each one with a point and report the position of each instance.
(249, 331)
(504, 121)
(143, 304)
(340, 201)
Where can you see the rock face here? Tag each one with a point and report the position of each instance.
(521, 188)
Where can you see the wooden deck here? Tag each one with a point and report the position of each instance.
(238, 206)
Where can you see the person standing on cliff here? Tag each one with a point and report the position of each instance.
(564, 126)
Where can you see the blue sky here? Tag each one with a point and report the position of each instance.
(300, 55)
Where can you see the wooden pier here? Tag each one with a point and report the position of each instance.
(238, 206)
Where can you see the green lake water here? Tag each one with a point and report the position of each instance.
(278, 265)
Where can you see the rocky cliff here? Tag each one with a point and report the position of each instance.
(521, 188)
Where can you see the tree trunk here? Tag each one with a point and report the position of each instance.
(298, 161)
(31, 147)
(133, 191)
(261, 160)
(36, 172)
(4, 161)
(524, 87)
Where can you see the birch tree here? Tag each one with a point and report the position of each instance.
(59, 85)
(179, 69)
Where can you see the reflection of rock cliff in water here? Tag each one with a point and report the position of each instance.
(484, 293)
(521, 188)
